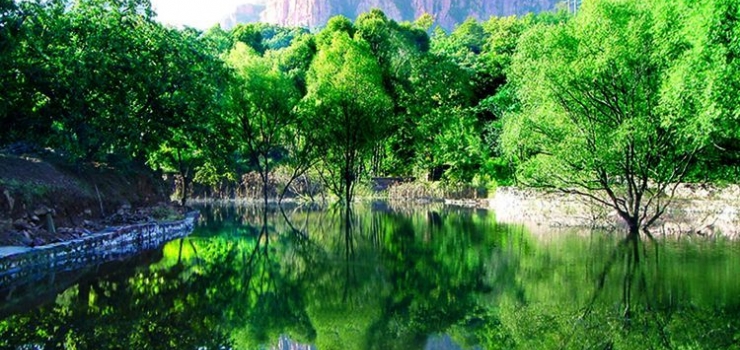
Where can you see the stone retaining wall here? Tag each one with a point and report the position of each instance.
(694, 211)
(110, 244)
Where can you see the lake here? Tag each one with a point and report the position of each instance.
(387, 276)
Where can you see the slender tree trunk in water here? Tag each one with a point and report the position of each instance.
(284, 191)
(634, 230)
(633, 223)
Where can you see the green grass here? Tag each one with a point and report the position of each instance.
(25, 190)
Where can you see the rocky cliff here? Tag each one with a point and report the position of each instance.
(448, 13)
(245, 13)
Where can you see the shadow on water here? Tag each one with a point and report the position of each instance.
(380, 276)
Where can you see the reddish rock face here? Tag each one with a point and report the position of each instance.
(448, 13)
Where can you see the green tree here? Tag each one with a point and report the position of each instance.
(724, 82)
(398, 49)
(218, 39)
(348, 106)
(264, 99)
(95, 77)
(193, 102)
(437, 109)
(300, 149)
(704, 83)
(592, 119)
(17, 56)
(250, 35)
(179, 155)
(275, 37)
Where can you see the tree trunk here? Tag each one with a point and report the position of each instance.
(185, 173)
(185, 187)
(634, 228)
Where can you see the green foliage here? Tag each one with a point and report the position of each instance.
(250, 35)
(275, 37)
(28, 190)
(263, 102)
(348, 108)
(218, 40)
(100, 79)
(592, 119)
(703, 86)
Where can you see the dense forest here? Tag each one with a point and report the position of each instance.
(619, 102)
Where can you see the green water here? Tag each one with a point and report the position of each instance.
(390, 277)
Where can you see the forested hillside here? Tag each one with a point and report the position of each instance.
(623, 99)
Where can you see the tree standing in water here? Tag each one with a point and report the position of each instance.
(348, 104)
(594, 120)
(264, 99)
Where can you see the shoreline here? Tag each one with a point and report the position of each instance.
(700, 210)
(708, 213)
(26, 264)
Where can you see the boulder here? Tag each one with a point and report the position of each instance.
(21, 224)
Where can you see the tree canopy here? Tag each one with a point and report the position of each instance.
(618, 102)
(592, 119)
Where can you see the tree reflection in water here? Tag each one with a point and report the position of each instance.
(644, 295)
(394, 277)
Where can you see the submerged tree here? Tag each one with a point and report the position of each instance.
(592, 120)
(348, 105)
(263, 102)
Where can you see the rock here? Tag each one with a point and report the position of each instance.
(25, 238)
(88, 212)
(246, 13)
(447, 13)
(11, 201)
(21, 224)
(50, 223)
(41, 211)
(37, 242)
(6, 225)
(35, 219)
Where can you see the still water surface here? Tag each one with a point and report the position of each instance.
(388, 277)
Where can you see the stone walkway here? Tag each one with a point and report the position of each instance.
(5, 251)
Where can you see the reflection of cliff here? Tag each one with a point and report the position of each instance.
(315, 13)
